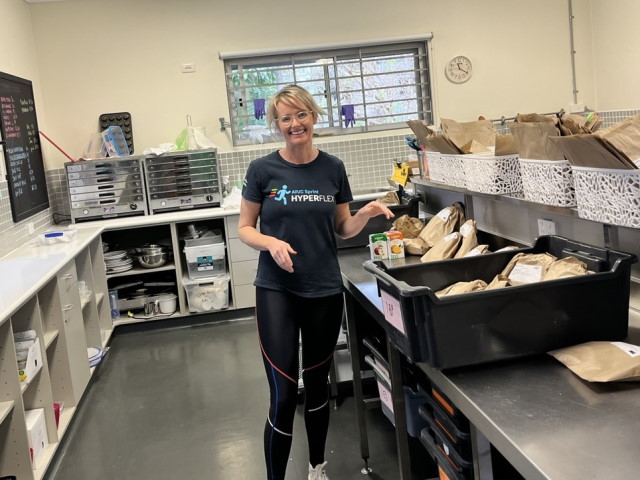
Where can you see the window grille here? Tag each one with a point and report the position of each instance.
(362, 87)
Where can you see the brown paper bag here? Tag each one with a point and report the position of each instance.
(624, 136)
(445, 249)
(532, 140)
(429, 140)
(469, 232)
(505, 145)
(409, 226)
(462, 287)
(566, 267)
(479, 250)
(415, 246)
(390, 198)
(602, 361)
(499, 281)
(528, 267)
(440, 225)
(573, 123)
(535, 118)
(461, 133)
(591, 151)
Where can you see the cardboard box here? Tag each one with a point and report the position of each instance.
(37, 436)
(396, 244)
(378, 246)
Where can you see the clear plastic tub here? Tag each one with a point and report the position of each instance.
(206, 260)
(207, 294)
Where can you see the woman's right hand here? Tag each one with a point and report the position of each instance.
(281, 252)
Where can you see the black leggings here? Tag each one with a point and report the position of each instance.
(282, 317)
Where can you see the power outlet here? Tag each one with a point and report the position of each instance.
(30, 228)
(546, 227)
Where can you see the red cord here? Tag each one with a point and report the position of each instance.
(55, 145)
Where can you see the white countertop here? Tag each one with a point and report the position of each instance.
(24, 271)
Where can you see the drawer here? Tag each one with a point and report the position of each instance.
(67, 276)
(245, 296)
(240, 252)
(244, 272)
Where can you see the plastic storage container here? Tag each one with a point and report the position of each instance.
(494, 175)
(206, 260)
(207, 294)
(549, 182)
(608, 195)
(412, 399)
(450, 465)
(438, 418)
(511, 322)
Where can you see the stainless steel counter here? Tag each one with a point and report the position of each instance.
(546, 421)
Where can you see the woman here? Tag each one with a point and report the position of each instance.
(301, 196)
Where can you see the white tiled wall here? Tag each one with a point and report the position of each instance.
(368, 163)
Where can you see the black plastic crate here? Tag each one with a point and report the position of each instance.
(436, 417)
(485, 326)
(447, 468)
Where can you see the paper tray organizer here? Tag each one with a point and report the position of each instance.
(484, 326)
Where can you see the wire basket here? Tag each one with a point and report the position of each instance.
(493, 175)
(608, 195)
(549, 182)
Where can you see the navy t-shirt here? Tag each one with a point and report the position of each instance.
(299, 207)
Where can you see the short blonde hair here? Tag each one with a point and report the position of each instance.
(292, 95)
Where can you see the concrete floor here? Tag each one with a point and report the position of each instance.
(189, 402)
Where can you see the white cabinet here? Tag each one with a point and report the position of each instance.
(241, 262)
(45, 298)
(244, 266)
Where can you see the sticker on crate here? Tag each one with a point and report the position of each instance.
(392, 311)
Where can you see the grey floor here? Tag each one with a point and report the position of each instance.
(189, 402)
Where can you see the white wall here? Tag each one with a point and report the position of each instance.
(17, 49)
(616, 53)
(99, 56)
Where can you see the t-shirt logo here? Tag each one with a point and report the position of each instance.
(302, 195)
(280, 194)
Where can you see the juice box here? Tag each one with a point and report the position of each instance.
(395, 241)
(378, 246)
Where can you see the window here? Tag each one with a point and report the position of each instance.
(362, 88)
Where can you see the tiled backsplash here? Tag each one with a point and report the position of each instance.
(368, 162)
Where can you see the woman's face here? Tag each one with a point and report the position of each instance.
(295, 131)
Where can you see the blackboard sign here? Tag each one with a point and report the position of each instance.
(22, 152)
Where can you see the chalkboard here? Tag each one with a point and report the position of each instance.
(22, 152)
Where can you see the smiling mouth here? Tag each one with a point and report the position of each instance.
(298, 132)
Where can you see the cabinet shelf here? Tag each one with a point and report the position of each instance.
(49, 337)
(45, 460)
(84, 301)
(5, 410)
(141, 270)
(24, 385)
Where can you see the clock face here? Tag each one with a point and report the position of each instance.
(459, 69)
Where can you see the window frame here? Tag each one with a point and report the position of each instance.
(330, 57)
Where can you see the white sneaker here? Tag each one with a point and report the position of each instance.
(318, 473)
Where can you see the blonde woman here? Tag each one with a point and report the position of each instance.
(301, 196)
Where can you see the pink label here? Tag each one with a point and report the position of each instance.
(385, 396)
(392, 311)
